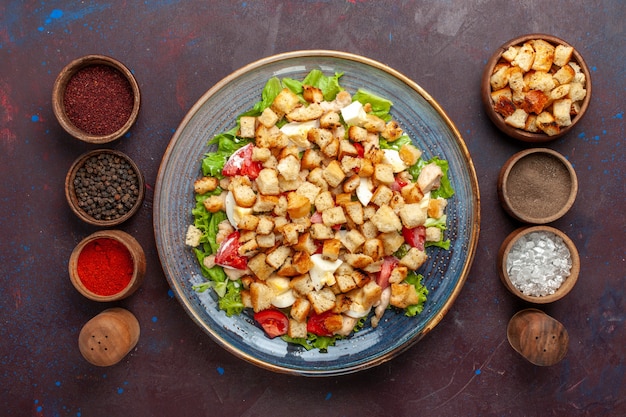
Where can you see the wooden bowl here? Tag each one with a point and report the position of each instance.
(498, 119)
(539, 338)
(506, 249)
(537, 186)
(120, 204)
(95, 245)
(59, 104)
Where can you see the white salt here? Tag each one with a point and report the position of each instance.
(538, 263)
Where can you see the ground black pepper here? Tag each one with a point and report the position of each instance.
(106, 186)
(98, 100)
(539, 185)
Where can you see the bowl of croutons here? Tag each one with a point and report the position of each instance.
(536, 87)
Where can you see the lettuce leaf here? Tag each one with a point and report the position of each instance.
(380, 106)
(445, 189)
(396, 144)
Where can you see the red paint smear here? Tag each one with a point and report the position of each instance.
(7, 112)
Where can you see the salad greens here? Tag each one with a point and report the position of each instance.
(229, 291)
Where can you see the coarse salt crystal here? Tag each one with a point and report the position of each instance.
(538, 263)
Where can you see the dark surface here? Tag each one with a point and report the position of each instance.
(177, 51)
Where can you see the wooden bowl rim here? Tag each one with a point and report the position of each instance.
(498, 120)
(137, 254)
(567, 285)
(58, 93)
(70, 193)
(503, 177)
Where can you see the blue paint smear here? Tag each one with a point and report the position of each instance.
(34, 118)
(328, 396)
(220, 370)
(170, 293)
(39, 409)
(56, 14)
(58, 383)
(477, 372)
(120, 390)
(619, 115)
(154, 319)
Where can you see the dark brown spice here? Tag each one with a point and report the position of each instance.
(98, 100)
(538, 186)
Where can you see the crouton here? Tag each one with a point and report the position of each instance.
(320, 137)
(277, 257)
(409, 154)
(345, 282)
(248, 222)
(214, 203)
(357, 134)
(333, 216)
(510, 53)
(330, 120)
(544, 55)
(382, 195)
(298, 205)
(284, 102)
(396, 202)
(310, 159)
(312, 94)
(205, 184)
(290, 233)
(267, 182)
(433, 234)
(300, 308)
(562, 55)
(542, 81)
(383, 173)
(392, 131)
(259, 267)
(516, 79)
(413, 259)
(534, 101)
(354, 211)
(576, 92)
(517, 119)
(249, 248)
(353, 240)
(297, 329)
(561, 109)
(358, 260)
(324, 201)
(266, 241)
(247, 126)
(374, 249)
(331, 248)
(260, 154)
(316, 176)
(265, 203)
(374, 123)
(243, 193)
(321, 300)
(525, 57)
(403, 295)
(411, 193)
(268, 117)
(436, 207)
(398, 274)
(560, 92)
(351, 184)
(391, 242)
(333, 174)
(301, 262)
(412, 215)
(368, 228)
(500, 76)
(366, 169)
(332, 148)
(289, 167)
(546, 122)
(306, 243)
(305, 113)
(260, 296)
(564, 75)
(320, 231)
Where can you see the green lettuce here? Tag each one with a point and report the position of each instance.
(380, 106)
(416, 280)
(445, 189)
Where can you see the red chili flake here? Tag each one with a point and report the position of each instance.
(98, 99)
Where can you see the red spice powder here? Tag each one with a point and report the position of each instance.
(105, 266)
(98, 99)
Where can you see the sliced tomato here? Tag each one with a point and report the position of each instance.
(415, 236)
(359, 149)
(228, 253)
(241, 163)
(274, 322)
(317, 324)
(389, 262)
